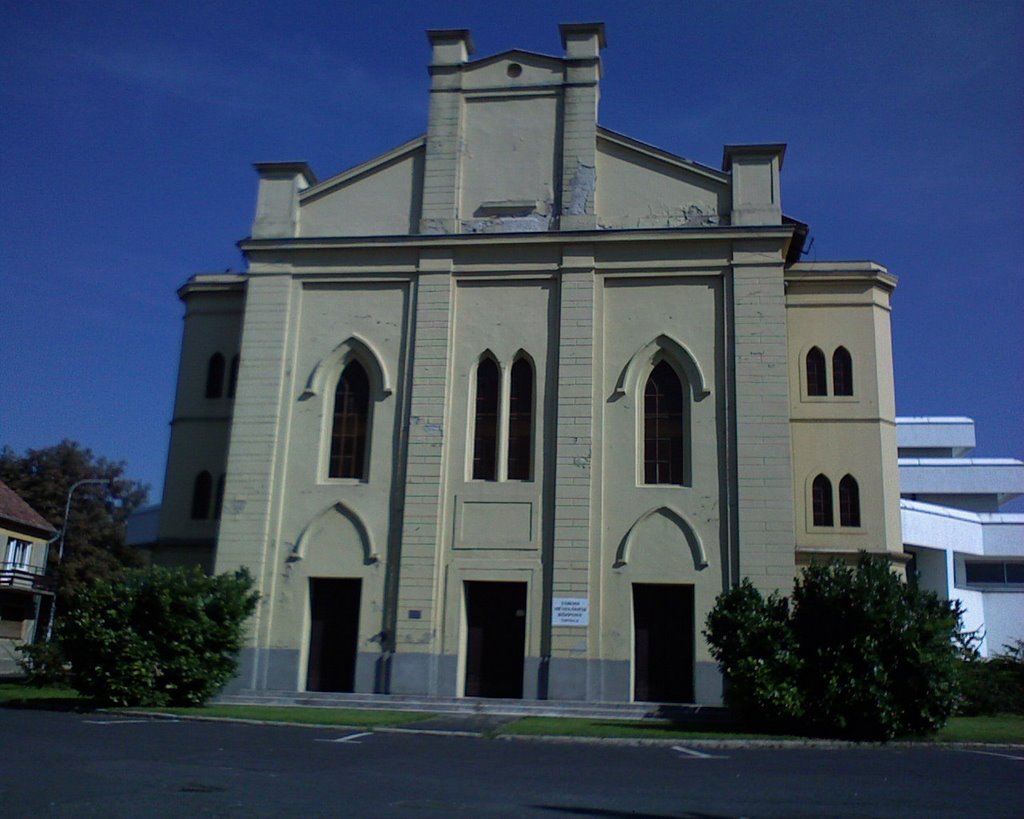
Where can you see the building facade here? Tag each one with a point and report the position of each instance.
(500, 412)
(25, 536)
(963, 547)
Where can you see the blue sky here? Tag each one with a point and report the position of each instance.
(127, 130)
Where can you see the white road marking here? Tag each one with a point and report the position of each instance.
(350, 738)
(697, 754)
(993, 753)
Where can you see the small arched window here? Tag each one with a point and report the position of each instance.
(664, 459)
(485, 431)
(201, 490)
(821, 501)
(351, 424)
(215, 376)
(849, 502)
(218, 498)
(842, 372)
(816, 382)
(520, 421)
(233, 376)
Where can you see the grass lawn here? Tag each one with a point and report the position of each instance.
(15, 693)
(1006, 728)
(349, 717)
(1001, 728)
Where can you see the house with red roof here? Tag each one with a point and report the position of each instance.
(25, 536)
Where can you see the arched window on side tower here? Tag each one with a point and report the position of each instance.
(351, 424)
(215, 376)
(842, 372)
(664, 457)
(485, 430)
(816, 381)
(849, 501)
(201, 490)
(520, 421)
(821, 501)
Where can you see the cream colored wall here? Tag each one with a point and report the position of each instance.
(336, 527)
(496, 530)
(830, 306)
(201, 426)
(658, 533)
(638, 191)
(510, 154)
(383, 201)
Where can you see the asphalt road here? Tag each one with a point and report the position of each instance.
(82, 765)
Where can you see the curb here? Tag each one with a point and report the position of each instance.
(753, 744)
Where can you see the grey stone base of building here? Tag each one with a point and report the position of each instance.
(562, 679)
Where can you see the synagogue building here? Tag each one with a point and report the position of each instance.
(499, 412)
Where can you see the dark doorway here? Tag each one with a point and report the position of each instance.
(663, 643)
(333, 633)
(495, 639)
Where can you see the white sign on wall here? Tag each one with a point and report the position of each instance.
(570, 611)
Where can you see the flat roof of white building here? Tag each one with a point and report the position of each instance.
(954, 433)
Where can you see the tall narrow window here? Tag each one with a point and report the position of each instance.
(816, 383)
(201, 490)
(520, 421)
(842, 372)
(218, 498)
(821, 501)
(233, 376)
(485, 435)
(215, 376)
(351, 423)
(849, 502)
(663, 426)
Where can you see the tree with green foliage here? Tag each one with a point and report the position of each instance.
(94, 546)
(857, 654)
(156, 637)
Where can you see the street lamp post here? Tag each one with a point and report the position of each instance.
(63, 532)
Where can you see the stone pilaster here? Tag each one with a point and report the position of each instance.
(417, 645)
(570, 566)
(765, 506)
(441, 172)
(583, 43)
(248, 524)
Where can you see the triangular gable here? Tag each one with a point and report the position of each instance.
(640, 186)
(379, 197)
(512, 69)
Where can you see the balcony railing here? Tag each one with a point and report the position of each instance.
(28, 578)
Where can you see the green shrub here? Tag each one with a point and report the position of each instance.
(158, 637)
(877, 656)
(993, 686)
(859, 654)
(752, 641)
(44, 664)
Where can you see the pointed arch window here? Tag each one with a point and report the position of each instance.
(351, 423)
(821, 501)
(520, 420)
(664, 456)
(201, 490)
(485, 431)
(215, 376)
(849, 501)
(816, 380)
(233, 376)
(842, 372)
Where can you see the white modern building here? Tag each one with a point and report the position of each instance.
(963, 547)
